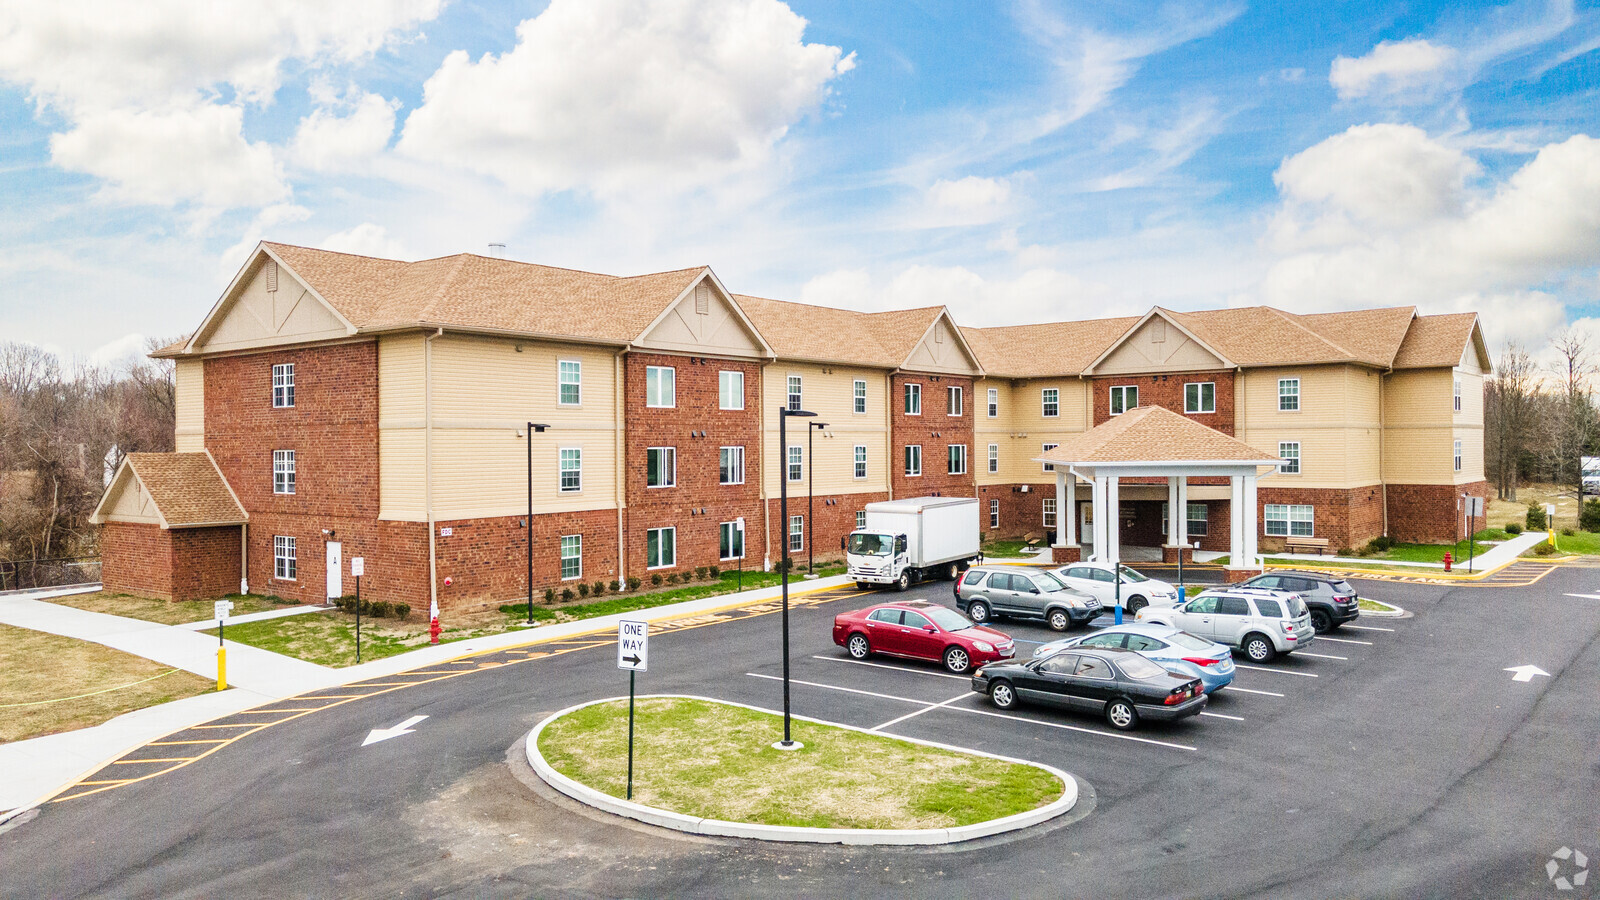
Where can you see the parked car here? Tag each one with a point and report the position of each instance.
(986, 592)
(1173, 649)
(1331, 599)
(1262, 623)
(1097, 580)
(1118, 684)
(917, 629)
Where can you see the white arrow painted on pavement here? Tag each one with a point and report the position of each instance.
(1526, 673)
(383, 734)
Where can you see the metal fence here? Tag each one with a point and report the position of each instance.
(25, 574)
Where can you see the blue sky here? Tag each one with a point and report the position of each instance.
(1019, 162)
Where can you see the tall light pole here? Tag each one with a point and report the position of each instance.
(528, 524)
(811, 507)
(784, 413)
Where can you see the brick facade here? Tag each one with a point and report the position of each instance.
(205, 562)
(934, 430)
(834, 518)
(1167, 391)
(1431, 513)
(177, 564)
(1345, 518)
(486, 560)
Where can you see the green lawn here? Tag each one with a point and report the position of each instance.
(1585, 543)
(1007, 549)
(716, 761)
(168, 612)
(1374, 605)
(727, 583)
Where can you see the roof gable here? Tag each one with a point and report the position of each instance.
(942, 349)
(704, 319)
(1443, 341)
(267, 305)
(174, 490)
(1157, 343)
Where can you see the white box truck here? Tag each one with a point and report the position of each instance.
(908, 540)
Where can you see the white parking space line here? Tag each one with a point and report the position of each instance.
(1109, 734)
(931, 706)
(1368, 628)
(1233, 688)
(1344, 641)
(1584, 596)
(1320, 655)
(1279, 671)
(836, 688)
(1221, 716)
(857, 662)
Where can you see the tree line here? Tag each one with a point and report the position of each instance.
(1539, 420)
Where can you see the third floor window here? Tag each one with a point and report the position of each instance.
(283, 385)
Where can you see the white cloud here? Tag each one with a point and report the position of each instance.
(1037, 295)
(130, 348)
(328, 142)
(969, 194)
(366, 239)
(258, 230)
(604, 95)
(1393, 67)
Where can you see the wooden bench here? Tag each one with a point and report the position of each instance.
(1306, 545)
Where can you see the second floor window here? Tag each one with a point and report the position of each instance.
(797, 468)
(283, 386)
(571, 388)
(571, 469)
(913, 399)
(1047, 448)
(1124, 398)
(1288, 394)
(957, 459)
(1200, 398)
(994, 402)
(1458, 456)
(283, 471)
(861, 395)
(1050, 399)
(661, 467)
(861, 461)
(660, 386)
(955, 401)
(730, 390)
(913, 459)
(795, 400)
(730, 466)
(1289, 452)
(994, 458)
(1456, 390)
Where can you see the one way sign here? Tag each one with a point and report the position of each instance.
(633, 646)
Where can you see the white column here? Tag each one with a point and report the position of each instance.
(1113, 520)
(1236, 558)
(1067, 505)
(1063, 536)
(1097, 505)
(1183, 511)
(1250, 525)
(1172, 512)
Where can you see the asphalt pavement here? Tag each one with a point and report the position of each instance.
(1400, 760)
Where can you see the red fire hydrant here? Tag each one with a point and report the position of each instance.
(433, 631)
(1447, 560)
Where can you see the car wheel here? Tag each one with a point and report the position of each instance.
(1001, 695)
(858, 646)
(904, 581)
(978, 612)
(1122, 716)
(1259, 648)
(1321, 622)
(957, 660)
(1058, 619)
(1136, 603)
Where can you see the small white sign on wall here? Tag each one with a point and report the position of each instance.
(446, 531)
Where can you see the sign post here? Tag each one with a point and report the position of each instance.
(1474, 509)
(739, 526)
(1116, 580)
(633, 654)
(221, 608)
(358, 567)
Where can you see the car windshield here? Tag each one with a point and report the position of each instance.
(1049, 582)
(1131, 576)
(948, 619)
(1139, 667)
(1188, 641)
(871, 544)
(1297, 607)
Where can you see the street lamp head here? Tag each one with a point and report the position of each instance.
(786, 411)
(539, 429)
(818, 424)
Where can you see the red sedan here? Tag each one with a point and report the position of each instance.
(917, 629)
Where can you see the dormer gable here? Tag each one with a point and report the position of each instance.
(704, 320)
(943, 350)
(267, 305)
(1157, 343)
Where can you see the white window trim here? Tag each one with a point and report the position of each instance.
(1457, 449)
(1200, 398)
(672, 476)
(861, 519)
(918, 454)
(994, 513)
(1050, 467)
(560, 383)
(858, 461)
(281, 542)
(789, 463)
(791, 534)
(561, 473)
(1048, 514)
(1299, 457)
(1124, 389)
(1289, 510)
(740, 458)
(286, 382)
(962, 455)
(1044, 404)
(740, 375)
(650, 369)
(1297, 400)
(665, 565)
(1204, 519)
(733, 528)
(993, 399)
(794, 399)
(1455, 393)
(955, 399)
(563, 551)
(994, 459)
(289, 470)
(911, 389)
(858, 396)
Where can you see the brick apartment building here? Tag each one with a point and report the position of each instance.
(332, 406)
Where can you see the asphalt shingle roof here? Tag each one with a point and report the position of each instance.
(187, 488)
(1152, 433)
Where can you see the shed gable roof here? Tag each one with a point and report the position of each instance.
(187, 490)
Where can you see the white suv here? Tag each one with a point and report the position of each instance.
(1260, 622)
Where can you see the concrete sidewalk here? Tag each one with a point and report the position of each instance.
(1493, 556)
(39, 768)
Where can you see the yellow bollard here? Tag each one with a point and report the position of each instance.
(222, 668)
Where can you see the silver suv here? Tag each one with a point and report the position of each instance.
(985, 592)
(1260, 622)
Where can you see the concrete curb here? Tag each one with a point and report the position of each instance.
(1393, 612)
(859, 836)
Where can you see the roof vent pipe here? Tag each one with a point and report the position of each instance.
(497, 250)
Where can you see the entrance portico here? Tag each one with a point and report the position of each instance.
(1153, 442)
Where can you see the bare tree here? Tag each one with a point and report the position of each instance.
(1508, 414)
(1572, 425)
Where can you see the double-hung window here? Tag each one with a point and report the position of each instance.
(570, 378)
(1123, 398)
(571, 556)
(283, 386)
(660, 548)
(913, 399)
(861, 461)
(957, 454)
(661, 467)
(861, 519)
(1048, 467)
(994, 513)
(283, 557)
(797, 458)
(1456, 393)
(954, 408)
(1288, 394)
(283, 471)
(730, 390)
(1200, 397)
(1458, 456)
(660, 386)
(1049, 512)
(1050, 401)
(797, 533)
(913, 459)
(1289, 452)
(795, 393)
(732, 541)
(730, 466)
(861, 395)
(1285, 520)
(994, 458)
(994, 402)
(571, 469)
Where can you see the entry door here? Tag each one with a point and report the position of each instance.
(1085, 523)
(335, 570)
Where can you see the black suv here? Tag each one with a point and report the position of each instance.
(1331, 599)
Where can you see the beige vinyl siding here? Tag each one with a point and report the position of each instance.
(1022, 429)
(1419, 437)
(829, 391)
(189, 387)
(1336, 424)
(1468, 426)
(400, 439)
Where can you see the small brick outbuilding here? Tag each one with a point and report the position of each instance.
(171, 528)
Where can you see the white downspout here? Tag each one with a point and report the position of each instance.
(427, 462)
(620, 482)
